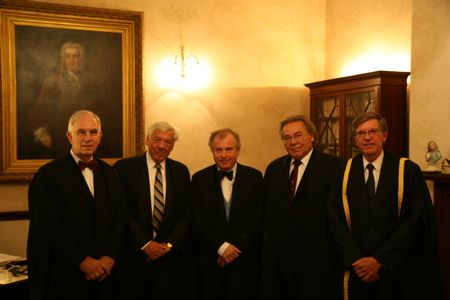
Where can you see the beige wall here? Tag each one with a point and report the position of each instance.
(430, 92)
(365, 36)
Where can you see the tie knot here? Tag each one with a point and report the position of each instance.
(158, 166)
(297, 163)
(370, 167)
(92, 164)
(227, 174)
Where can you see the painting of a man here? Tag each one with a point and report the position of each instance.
(60, 71)
(62, 93)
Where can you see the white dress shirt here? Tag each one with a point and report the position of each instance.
(88, 174)
(301, 168)
(376, 168)
(227, 191)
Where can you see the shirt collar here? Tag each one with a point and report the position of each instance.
(76, 158)
(152, 163)
(234, 168)
(305, 158)
(376, 163)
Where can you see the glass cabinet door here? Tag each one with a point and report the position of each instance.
(327, 122)
(356, 104)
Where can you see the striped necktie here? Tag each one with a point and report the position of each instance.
(158, 206)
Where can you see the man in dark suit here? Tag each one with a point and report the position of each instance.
(228, 222)
(77, 220)
(157, 190)
(298, 257)
(382, 221)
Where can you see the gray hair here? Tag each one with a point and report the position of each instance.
(162, 126)
(62, 53)
(80, 113)
(298, 118)
(222, 133)
(367, 116)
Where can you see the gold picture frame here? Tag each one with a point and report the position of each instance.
(34, 91)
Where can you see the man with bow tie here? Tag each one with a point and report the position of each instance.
(228, 222)
(77, 220)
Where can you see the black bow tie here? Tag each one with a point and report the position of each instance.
(87, 164)
(227, 174)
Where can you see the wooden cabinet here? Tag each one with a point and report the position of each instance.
(441, 187)
(336, 102)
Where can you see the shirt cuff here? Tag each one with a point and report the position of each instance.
(223, 248)
(143, 247)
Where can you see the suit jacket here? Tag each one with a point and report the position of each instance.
(240, 279)
(169, 276)
(298, 256)
(406, 246)
(67, 224)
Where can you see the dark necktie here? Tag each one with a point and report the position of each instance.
(227, 174)
(370, 186)
(87, 164)
(158, 206)
(293, 178)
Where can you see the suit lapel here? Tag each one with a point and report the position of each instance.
(236, 196)
(355, 190)
(75, 173)
(216, 191)
(144, 187)
(388, 175)
(303, 185)
(284, 178)
(168, 201)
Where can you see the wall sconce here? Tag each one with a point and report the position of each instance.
(182, 58)
(184, 72)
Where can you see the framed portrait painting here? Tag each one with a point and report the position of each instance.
(55, 60)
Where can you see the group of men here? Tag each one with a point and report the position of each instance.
(312, 228)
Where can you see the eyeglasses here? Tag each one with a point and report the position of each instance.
(298, 136)
(165, 141)
(371, 133)
(86, 132)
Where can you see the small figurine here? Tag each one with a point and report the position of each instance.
(446, 166)
(432, 157)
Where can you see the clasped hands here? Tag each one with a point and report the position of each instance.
(155, 250)
(367, 269)
(97, 269)
(228, 256)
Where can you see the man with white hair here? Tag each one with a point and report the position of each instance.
(77, 220)
(157, 190)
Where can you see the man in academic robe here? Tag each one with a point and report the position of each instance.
(299, 260)
(228, 222)
(158, 260)
(77, 221)
(382, 221)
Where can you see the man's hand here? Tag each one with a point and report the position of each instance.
(155, 250)
(228, 256)
(92, 268)
(367, 269)
(41, 135)
(107, 265)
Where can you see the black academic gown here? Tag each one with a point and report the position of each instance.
(406, 246)
(299, 260)
(240, 279)
(67, 224)
(170, 277)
